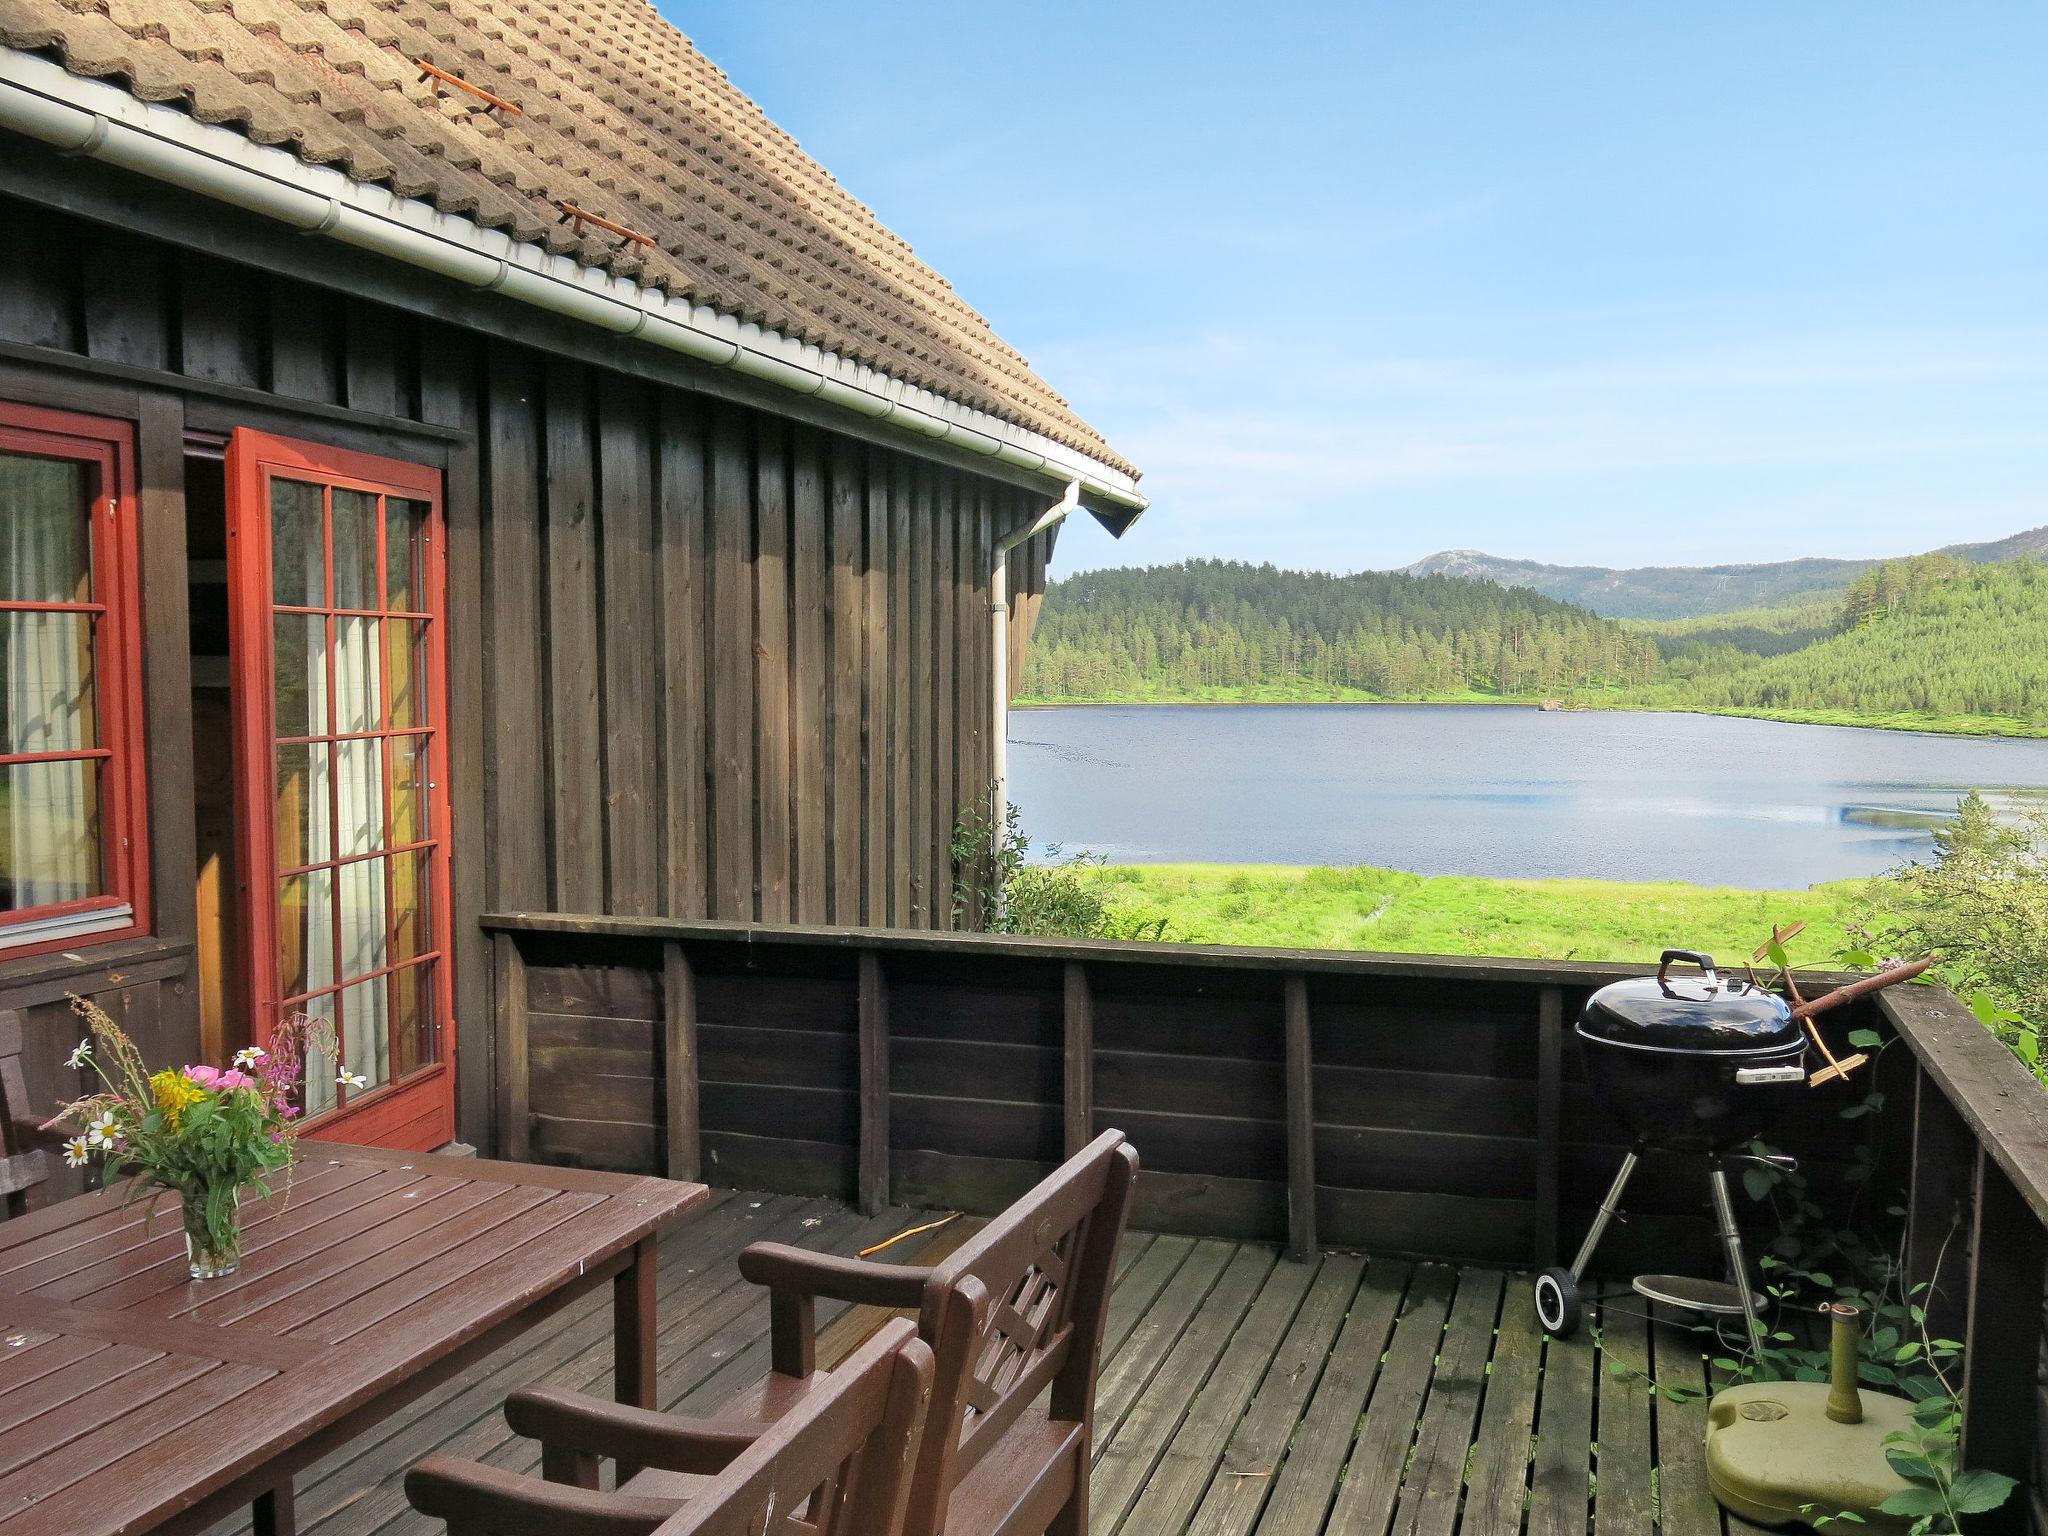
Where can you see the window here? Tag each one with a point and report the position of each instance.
(73, 859)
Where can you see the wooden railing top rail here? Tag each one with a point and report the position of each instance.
(1998, 1098)
(1536, 973)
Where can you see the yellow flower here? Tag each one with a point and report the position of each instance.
(173, 1091)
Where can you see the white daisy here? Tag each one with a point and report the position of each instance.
(80, 1056)
(349, 1079)
(77, 1152)
(249, 1055)
(102, 1132)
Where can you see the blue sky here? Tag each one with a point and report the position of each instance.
(1613, 284)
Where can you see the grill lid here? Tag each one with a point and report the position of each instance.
(1703, 1013)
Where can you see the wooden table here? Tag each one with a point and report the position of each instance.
(135, 1399)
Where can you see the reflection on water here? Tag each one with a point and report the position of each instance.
(1501, 791)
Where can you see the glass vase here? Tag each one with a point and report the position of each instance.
(210, 1254)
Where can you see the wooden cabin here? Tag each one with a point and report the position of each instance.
(458, 460)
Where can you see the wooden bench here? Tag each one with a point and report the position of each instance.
(837, 1464)
(1014, 1318)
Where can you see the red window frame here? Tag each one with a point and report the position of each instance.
(108, 448)
(416, 1110)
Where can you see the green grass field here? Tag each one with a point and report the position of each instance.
(1361, 907)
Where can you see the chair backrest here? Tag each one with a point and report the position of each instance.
(1017, 1309)
(24, 1165)
(838, 1464)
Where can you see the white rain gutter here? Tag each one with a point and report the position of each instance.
(999, 614)
(103, 122)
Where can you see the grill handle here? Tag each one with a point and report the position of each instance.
(1698, 957)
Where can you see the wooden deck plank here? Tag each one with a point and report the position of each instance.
(1497, 1488)
(1685, 1506)
(1126, 1374)
(1372, 1477)
(1126, 1453)
(1622, 1502)
(1561, 1473)
(1435, 1476)
(1187, 1462)
(1307, 1480)
(1244, 1476)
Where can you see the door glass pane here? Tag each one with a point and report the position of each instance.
(305, 932)
(355, 549)
(49, 833)
(321, 1065)
(412, 1017)
(45, 536)
(298, 560)
(405, 550)
(356, 669)
(405, 661)
(301, 661)
(365, 945)
(359, 796)
(305, 834)
(411, 925)
(365, 1031)
(410, 822)
(46, 701)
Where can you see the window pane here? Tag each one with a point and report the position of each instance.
(365, 945)
(45, 513)
(405, 554)
(320, 1066)
(305, 833)
(411, 925)
(365, 1037)
(412, 1017)
(46, 701)
(49, 834)
(355, 549)
(359, 791)
(301, 675)
(405, 671)
(305, 932)
(355, 674)
(410, 822)
(298, 560)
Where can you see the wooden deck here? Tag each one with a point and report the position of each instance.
(1240, 1393)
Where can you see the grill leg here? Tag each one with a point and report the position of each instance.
(1609, 1209)
(1731, 1244)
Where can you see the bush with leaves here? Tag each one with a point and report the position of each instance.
(997, 887)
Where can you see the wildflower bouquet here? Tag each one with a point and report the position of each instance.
(199, 1132)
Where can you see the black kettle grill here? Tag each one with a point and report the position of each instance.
(1685, 1063)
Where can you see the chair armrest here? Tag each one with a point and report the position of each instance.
(477, 1500)
(590, 1426)
(858, 1281)
(796, 1277)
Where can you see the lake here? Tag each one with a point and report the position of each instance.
(1499, 790)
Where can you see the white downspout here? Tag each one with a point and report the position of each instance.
(999, 614)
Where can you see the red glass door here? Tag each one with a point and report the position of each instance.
(340, 705)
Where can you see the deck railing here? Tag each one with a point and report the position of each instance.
(1420, 1105)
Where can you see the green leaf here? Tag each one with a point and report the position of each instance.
(1758, 1182)
(1778, 956)
(1912, 1501)
(1976, 1490)
(1865, 1039)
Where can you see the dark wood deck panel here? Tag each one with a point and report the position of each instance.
(1243, 1393)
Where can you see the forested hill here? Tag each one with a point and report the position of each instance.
(1931, 636)
(1685, 591)
(1215, 629)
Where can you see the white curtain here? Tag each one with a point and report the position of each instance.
(358, 680)
(52, 851)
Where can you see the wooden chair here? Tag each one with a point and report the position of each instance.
(837, 1464)
(1017, 1309)
(25, 1165)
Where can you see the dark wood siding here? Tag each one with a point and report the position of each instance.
(714, 663)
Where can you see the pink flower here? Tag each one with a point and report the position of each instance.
(216, 1080)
